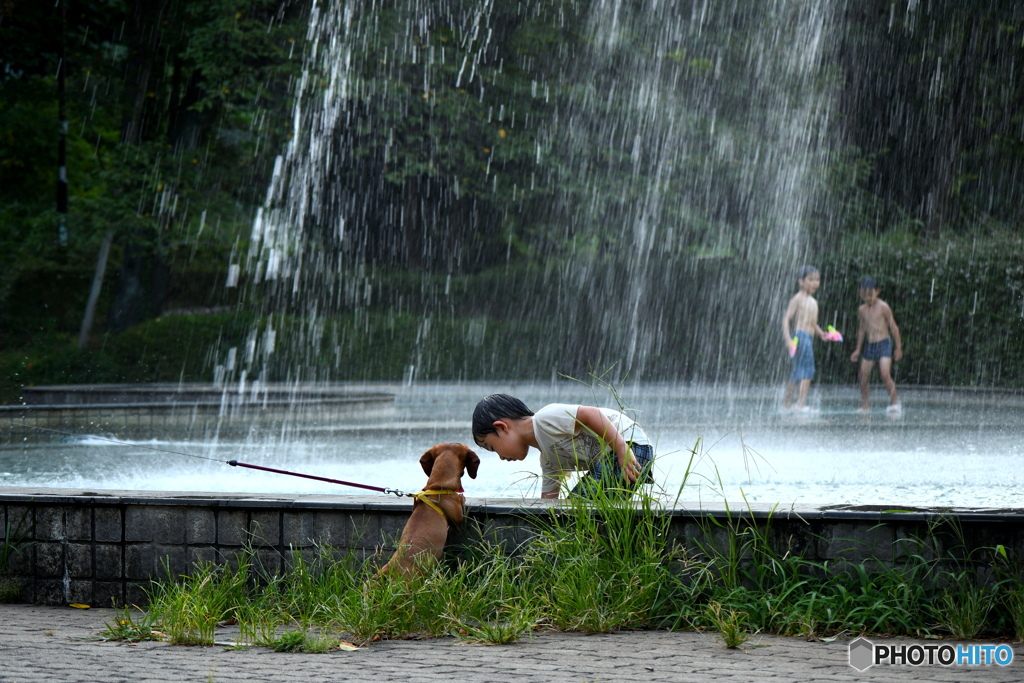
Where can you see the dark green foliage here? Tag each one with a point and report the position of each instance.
(930, 105)
(173, 109)
(11, 544)
(162, 349)
(498, 216)
(949, 337)
(959, 303)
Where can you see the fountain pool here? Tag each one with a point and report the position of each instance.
(949, 448)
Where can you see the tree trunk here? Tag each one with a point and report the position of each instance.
(143, 35)
(128, 308)
(94, 293)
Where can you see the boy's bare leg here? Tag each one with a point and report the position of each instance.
(885, 371)
(865, 376)
(801, 398)
(787, 397)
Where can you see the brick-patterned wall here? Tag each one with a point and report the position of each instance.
(77, 547)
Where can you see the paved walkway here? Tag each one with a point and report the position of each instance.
(58, 644)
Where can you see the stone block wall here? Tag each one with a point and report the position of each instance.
(98, 549)
(76, 547)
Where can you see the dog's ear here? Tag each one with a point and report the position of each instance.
(472, 462)
(427, 460)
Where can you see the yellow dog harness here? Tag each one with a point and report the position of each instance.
(433, 504)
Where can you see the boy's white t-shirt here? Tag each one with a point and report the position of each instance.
(567, 446)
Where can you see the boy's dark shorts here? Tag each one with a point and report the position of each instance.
(878, 350)
(607, 472)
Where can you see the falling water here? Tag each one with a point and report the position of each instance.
(680, 174)
(712, 282)
(641, 191)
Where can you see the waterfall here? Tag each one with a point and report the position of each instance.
(651, 176)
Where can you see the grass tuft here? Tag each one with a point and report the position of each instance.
(131, 625)
(729, 623)
(599, 565)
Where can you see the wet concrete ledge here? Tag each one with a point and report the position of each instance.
(198, 411)
(93, 547)
(192, 393)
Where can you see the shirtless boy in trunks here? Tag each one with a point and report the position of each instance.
(801, 322)
(877, 327)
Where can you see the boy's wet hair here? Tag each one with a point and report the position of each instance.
(493, 408)
(804, 272)
(868, 283)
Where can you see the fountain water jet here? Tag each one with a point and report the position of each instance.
(679, 178)
(654, 168)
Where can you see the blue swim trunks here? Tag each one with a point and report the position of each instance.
(877, 350)
(803, 361)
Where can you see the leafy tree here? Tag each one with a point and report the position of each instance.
(562, 153)
(931, 103)
(174, 107)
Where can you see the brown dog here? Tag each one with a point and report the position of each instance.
(435, 508)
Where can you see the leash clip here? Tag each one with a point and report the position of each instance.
(396, 492)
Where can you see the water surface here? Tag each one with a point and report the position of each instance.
(948, 448)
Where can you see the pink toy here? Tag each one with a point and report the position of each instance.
(832, 335)
(792, 346)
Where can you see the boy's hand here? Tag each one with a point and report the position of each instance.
(897, 354)
(833, 335)
(855, 355)
(791, 345)
(631, 469)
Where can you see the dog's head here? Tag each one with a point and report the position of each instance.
(466, 460)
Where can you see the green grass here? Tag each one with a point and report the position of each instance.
(1014, 600)
(189, 611)
(12, 543)
(730, 624)
(600, 566)
(130, 626)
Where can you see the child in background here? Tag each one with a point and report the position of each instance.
(607, 444)
(876, 325)
(799, 327)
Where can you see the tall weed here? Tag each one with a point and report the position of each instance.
(602, 564)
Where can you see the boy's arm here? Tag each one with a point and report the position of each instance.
(787, 334)
(551, 494)
(594, 420)
(894, 331)
(861, 332)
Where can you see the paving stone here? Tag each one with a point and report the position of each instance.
(39, 643)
